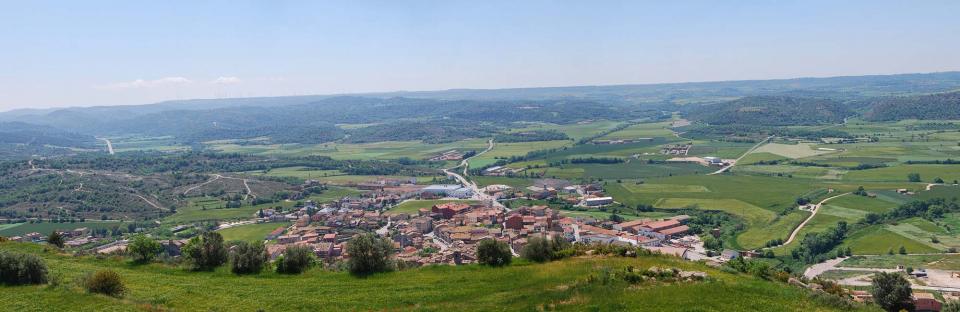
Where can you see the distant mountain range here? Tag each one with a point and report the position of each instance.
(454, 114)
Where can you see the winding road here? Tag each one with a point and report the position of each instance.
(477, 193)
(816, 208)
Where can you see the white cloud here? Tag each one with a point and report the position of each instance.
(226, 80)
(140, 83)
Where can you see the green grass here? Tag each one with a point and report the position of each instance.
(251, 232)
(841, 274)
(505, 150)
(877, 240)
(643, 130)
(576, 131)
(899, 173)
(366, 151)
(559, 285)
(664, 188)
(47, 227)
(756, 157)
(412, 206)
(863, 203)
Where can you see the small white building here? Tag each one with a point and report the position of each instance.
(598, 201)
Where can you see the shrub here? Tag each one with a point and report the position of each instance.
(205, 252)
(537, 249)
(493, 253)
(295, 260)
(248, 258)
(369, 254)
(21, 269)
(143, 248)
(105, 282)
(55, 239)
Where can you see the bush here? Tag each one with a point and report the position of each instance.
(369, 254)
(205, 252)
(248, 258)
(21, 269)
(105, 282)
(537, 249)
(143, 248)
(295, 260)
(55, 239)
(493, 253)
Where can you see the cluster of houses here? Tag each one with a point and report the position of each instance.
(620, 141)
(448, 155)
(502, 171)
(72, 238)
(676, 149)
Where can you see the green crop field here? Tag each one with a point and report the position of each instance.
(412, 206)
(664, 188)
(505, 150)
(899, 173)
(575, 131)
(560, 285)
(378, 150)
(251, 232)
(755, 157)
(642, 130)
(878, 240)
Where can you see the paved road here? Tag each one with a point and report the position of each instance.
(477, 193)
(724, 169)
(109, 145)
(814, 213)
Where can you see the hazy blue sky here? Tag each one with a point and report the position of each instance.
(66, 53)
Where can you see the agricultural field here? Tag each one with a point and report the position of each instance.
(899, 173)
(755, 157)
(575, 131)
(794, 151)
(521, 286)
(642, 130)
(725, 150)
(877, 240)
(334, 177)
(45, 228)
(505, 150)
(251, 232)
(412, 206)
(137, 143)
(758, 220)
(630, 170)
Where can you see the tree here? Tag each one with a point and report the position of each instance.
(248, 258)
(913, 177)
(493, 253)
(938, 180)
(891, 291)
(902, 251)
(206, 251)
(369, 254)
(21, 269)
(951, 306)
(537, 249)
(143, 248)
(55, 239)
(295, 260)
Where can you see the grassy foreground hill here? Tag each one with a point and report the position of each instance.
(563, 285)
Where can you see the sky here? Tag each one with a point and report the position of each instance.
(86, 53)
